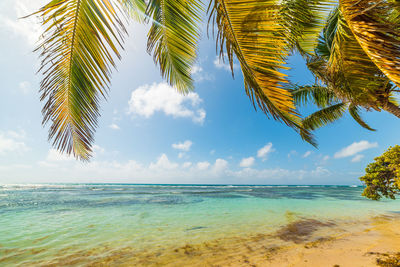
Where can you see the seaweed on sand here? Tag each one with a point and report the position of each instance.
(301, 230)
(387, 259)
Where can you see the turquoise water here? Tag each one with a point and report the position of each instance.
(42, 224)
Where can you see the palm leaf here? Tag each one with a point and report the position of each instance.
(304, 20)
(173, 39)
(342, 65)
(319, 95)
(324, 47)
(350, 68)
(378, 35)
(254, 32)
(355, 113)
(324, 116)
(349, 72)
(79, 40)
(136, 9)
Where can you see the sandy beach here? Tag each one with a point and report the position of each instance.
(304, 242)
(376, 242)
(301, 243)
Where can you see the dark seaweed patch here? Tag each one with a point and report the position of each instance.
(301, 230)
(387, 259)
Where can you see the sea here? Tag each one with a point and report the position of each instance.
(156, 225)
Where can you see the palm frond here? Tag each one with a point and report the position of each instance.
(173, 39)
(394, 100)
(316, 94)
(324, 46)
(252, 32)
(349, 71)
(342, 65)
(378, 35)
(135, 9)
(80, 39)
(355, 113)
(304, 20)
(324, 116)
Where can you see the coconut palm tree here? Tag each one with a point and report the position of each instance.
(347, 78)
(82, 39)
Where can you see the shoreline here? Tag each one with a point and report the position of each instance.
(302, 242)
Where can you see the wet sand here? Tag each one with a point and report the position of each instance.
(302, 242)
(377, 244)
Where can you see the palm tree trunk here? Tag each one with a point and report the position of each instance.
(392, 108)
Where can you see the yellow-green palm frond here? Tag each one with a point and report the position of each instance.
(136, 9)
(78, 44)
(251, 31)
(173, 39)
(324, 116)
(304, 20)
(316, 94)
(376, 32)
(324, 47)
(350, 71)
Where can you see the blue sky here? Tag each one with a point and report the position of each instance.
(150, 134)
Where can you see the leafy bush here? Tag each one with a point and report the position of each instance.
(382, 176)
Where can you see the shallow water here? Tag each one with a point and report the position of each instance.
(100, 223)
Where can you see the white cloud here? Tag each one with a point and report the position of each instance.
(12, 141)
(196, 69)
(28, 28)
(21, 134)
(247, 162)
(325, 158)
(203, 165)
(54, 156)
(160, 97)
(12, 167)
(186, 165)
(220, 166)
(25, 87)
(308, 153)
(114, 126)
(98, 149)
(357, 158)
(264, 151)
(181, 155)
(354, 149)
(200, 75)
(223, 64)
(184, 146)
(163, 163)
